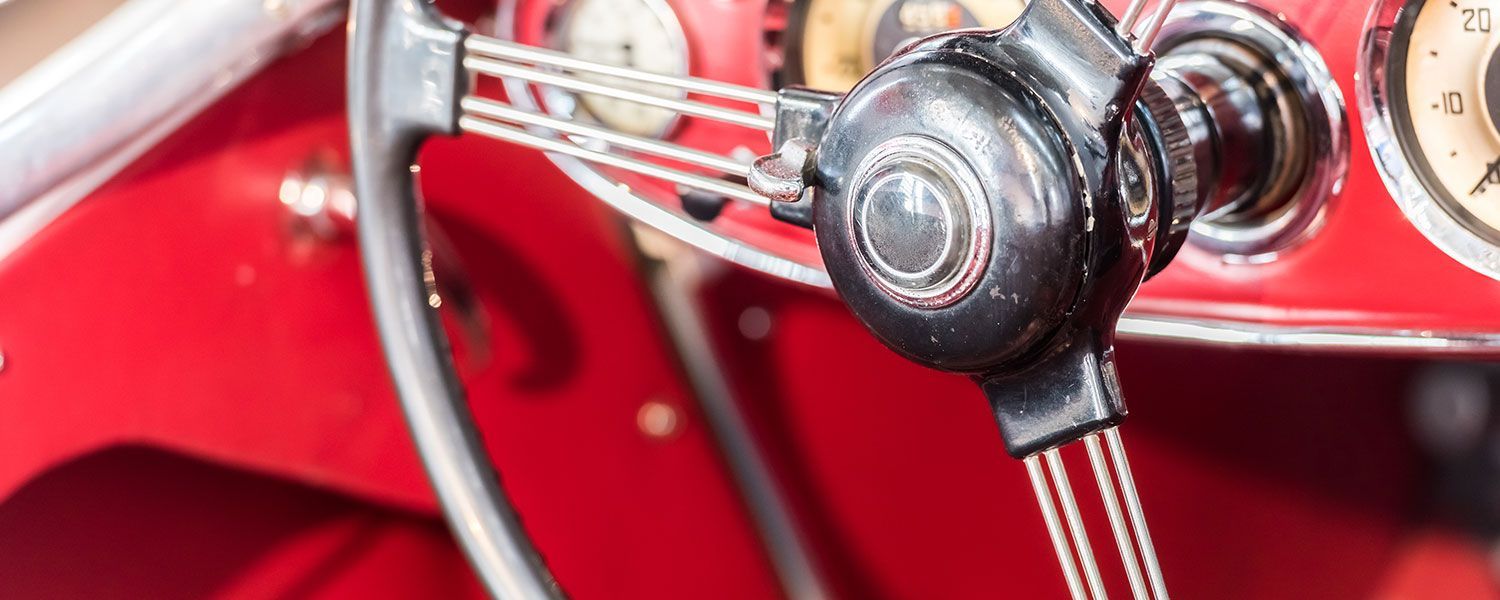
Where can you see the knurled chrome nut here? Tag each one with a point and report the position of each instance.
(1180, 159)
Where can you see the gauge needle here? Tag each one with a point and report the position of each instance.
(1491, 175)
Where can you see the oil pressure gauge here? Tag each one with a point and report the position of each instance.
(1430, 93)
(833, 43)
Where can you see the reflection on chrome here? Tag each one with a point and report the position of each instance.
(1231, 333)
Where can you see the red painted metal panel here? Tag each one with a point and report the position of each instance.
(177, 308)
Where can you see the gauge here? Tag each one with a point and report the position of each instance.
(835, 42)
(1446, 119)
(1431, 73)
(642, 34)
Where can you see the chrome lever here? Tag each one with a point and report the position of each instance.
(794, 117)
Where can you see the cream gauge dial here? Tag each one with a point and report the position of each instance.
(1451, 97)
(835, 42)
(1430, 100)
(642, 34)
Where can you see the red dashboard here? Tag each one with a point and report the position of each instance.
(181, 310)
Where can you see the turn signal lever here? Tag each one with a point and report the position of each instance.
(985, 202)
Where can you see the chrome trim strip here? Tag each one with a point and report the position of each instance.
(621, 198)
(1309, 338)
(76, 119)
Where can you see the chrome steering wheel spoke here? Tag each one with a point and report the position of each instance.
(511, 123)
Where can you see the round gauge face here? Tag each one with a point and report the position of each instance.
(838, 41)
(1445, 104)
(642, 34)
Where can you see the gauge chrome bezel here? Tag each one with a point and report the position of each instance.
(567, 104)
(1405, 170)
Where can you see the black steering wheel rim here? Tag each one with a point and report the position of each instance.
(398, 49)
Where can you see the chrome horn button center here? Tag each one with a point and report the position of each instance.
(920, 221)
(906, 225)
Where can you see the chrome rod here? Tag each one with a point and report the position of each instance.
(521, 137)
(1131, 15)
(493, 48)
(1054, 528)
(1116, 518)
(1153, 26)
(1137, 516)
(1075, 523)
(501, 112)
(496, 68)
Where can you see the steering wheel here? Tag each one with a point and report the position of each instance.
(986, 203)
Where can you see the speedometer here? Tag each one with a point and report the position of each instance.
(835, 42)
(1432, 93)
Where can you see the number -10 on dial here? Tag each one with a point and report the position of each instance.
(1445, 105)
